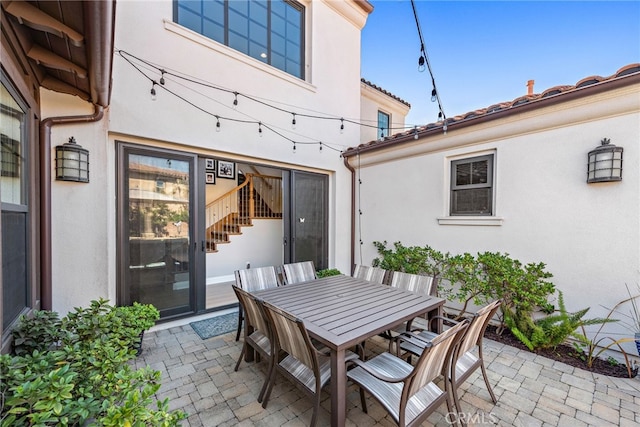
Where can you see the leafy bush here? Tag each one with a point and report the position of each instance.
(77, 371)
(328, 272)
(554, 329)
(413, 259)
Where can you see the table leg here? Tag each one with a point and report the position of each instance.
(338, 388)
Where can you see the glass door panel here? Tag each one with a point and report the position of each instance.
(158, 232)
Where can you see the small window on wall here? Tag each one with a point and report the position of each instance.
(472, 186)
(383, 124)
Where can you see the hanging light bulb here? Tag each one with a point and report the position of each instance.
(341, 125)
(153, 91)
(440, 116)
(321, 146)
(162, 77)
(381, 134)
(434, 95)
(217, 124)
(260, 129)
(421, 65)
(293, 121)
(235, 99)
(444, 127)
(294, 148)
(415, 132)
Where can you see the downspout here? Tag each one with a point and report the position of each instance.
(353, 211)
(46, 300)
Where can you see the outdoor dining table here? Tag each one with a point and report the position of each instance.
(342, 311)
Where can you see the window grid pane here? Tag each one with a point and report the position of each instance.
(268, 30)
(472, 186)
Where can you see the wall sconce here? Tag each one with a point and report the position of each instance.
(605, 163)
(72, 162)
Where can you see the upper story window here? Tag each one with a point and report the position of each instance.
(472, 186)
(270, 31)
(383, 124)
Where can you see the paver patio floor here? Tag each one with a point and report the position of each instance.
(198, 377)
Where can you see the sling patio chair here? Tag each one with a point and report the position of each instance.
(372, 274)
(466, 360)
(298, 272)
(257, 333)
(254, 279)
(297, 358)
(409, 393)
(416, 283)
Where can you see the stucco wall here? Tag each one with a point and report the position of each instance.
(587, 234)
(84, 237)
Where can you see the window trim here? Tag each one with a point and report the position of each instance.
(470, 219)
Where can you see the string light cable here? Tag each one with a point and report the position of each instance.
(424, 60)
(129, 58)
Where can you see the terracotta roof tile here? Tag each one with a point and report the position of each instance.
(378, 88)
(526, 99)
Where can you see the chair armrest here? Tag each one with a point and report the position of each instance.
(377, 374)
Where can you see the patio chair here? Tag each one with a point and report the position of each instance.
(467, 362)
(298, 272)
(257, 333)
(409, 392)
(297, 358)
(416, 283)
(372, 274)
(254, 279)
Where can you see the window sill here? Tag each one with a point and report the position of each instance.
(471, 220)
(232, 53)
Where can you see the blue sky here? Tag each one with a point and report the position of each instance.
(484, 52)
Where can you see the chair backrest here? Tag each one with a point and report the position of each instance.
(254, 315)
(436, 359)
(372, 274)
(478, 325)
(291, 336)
(255, 279)
(419, 284)
(299, 272)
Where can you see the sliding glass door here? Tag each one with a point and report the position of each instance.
(157, 253)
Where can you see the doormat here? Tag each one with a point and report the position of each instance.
(215, 326)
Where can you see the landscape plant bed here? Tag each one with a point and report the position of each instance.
(565, 354)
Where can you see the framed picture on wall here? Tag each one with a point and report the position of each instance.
(210, 177)
(209, 164)
(226, 169)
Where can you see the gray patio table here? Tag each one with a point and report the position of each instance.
(341, 311)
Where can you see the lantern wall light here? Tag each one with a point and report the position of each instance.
(72, 162)
(605, 163)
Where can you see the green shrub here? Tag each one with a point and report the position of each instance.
(328, 272)
(77, 371)
(413, 259)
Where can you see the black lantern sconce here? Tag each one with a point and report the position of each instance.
(72, 162)
(605, 163)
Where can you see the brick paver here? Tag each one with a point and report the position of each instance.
(198, 377)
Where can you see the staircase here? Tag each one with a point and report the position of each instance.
(259, 196)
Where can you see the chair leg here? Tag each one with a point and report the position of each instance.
(244, 348)
(316, 409)
(363, 401)
(240, 318)
(267, 393)
(486, 381)
(266, 380)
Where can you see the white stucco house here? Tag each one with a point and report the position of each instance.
(513, 178)
(172, 105)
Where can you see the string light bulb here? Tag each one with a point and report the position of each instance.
(320, 146)
(341, 125)
(293, 121)
(217, 124)
(294, 148)
(260, 129)
(381, 134)
(162, 77)
(421, 64)
(415, 132)
(434, 95)
(153, 91)
(235, 99)
(444, 127)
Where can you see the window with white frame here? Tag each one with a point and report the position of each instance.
(271, 31)
(383, 124)
(472, 186)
